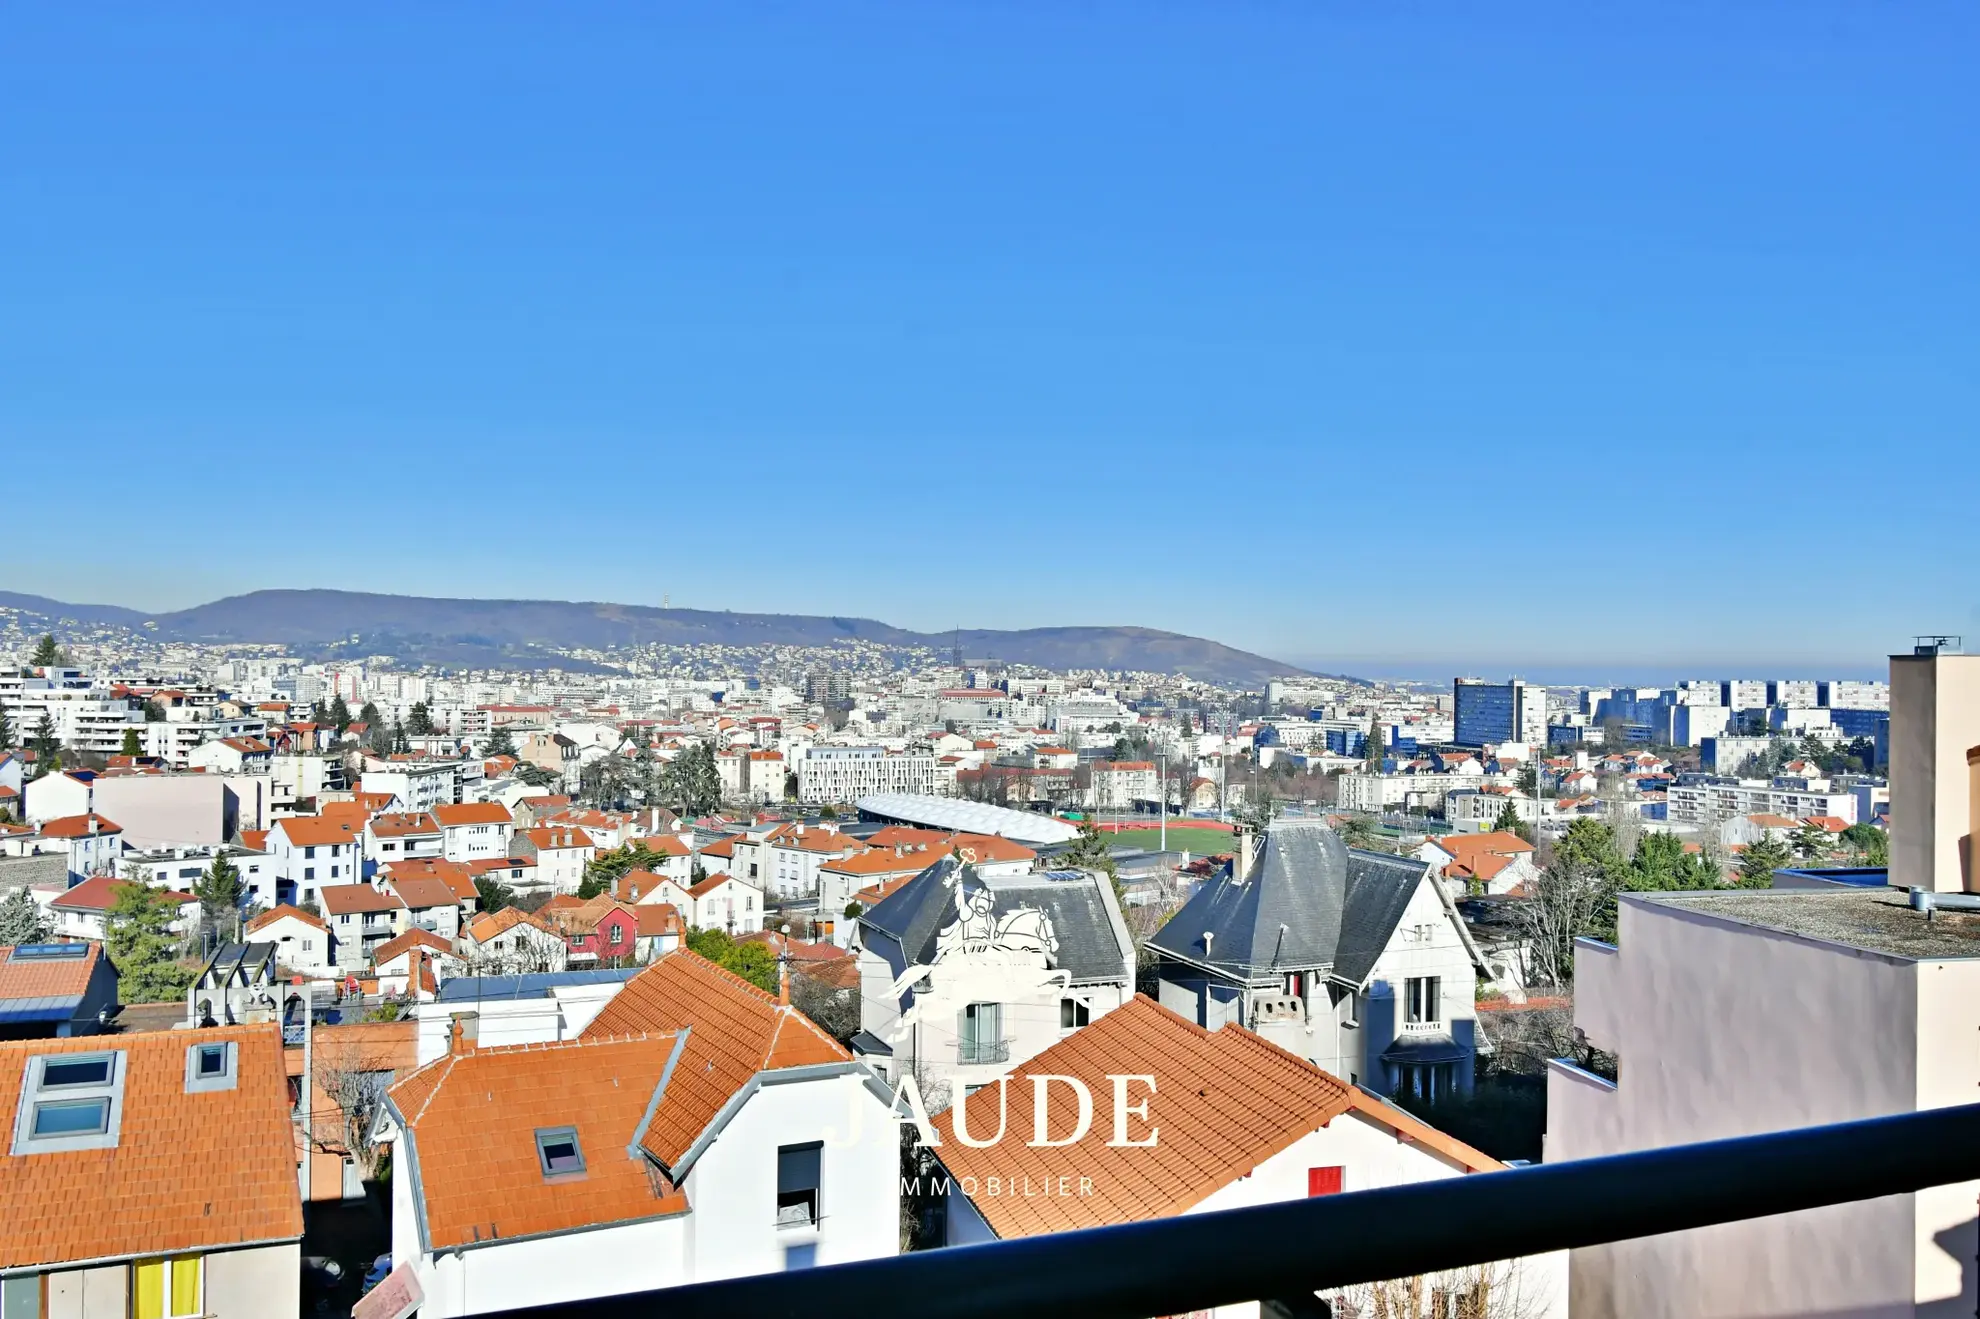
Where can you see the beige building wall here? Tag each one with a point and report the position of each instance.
(1723, 1029)
(261, 1280)
(1935, 717)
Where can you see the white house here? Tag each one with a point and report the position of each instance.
(310, 853)
(561, 853)
(725, 902)
(1356, 961)
(1223, 1120)
(91, 843)
(83, 912)
(512, 942)
(1495, 863)
(302, 940)
(391, 836)
(474, 831)
(753, 1168)
(963, 976)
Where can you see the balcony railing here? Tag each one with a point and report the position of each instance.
(970, 1052)
(1286, 1252)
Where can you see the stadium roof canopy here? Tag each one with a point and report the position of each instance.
(966, 817)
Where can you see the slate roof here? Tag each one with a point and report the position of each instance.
(533, 984)
(189, 1171)
(1338, 907)
(1093, 940)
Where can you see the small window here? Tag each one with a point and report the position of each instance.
(1424, 995)
(558, 1152)
(797, 1184)
(82, 1069)
(1073, 1013)
(210, 1067)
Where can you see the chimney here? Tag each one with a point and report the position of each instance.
(784, 978)
(1935, 716)
(1247, 841)
(92, 823)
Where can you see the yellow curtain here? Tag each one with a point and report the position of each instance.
(167, 1288)
(185, 1285)
(150, 1290)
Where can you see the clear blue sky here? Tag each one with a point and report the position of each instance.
(1497, 336)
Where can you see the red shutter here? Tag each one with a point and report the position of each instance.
(1323, 1181)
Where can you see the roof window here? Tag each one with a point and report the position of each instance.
(69, 1101)
(210, 1067)
(558, 1152)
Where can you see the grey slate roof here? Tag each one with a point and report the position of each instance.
(1309, 903)
(532, 984)
(1093, 940)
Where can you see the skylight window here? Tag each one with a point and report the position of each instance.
(69, 1101)
(558, 1152)
(210, 1067)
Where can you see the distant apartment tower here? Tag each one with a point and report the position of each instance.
(822, 685)
(1490, 712)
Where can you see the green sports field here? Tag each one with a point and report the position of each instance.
(1182, 838)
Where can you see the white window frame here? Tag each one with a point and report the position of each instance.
(35, 1093)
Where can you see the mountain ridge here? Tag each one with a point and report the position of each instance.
(521, 632)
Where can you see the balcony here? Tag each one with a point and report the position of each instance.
(969, 1053)
(1194, 1262)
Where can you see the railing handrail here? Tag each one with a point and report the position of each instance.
(1297, 1247)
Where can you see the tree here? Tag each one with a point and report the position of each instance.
(154, 713)
(142, 946)
(22, 920)
(1761, 859)
(1358, 831)
(399, 745)
(46, 746)
(1810, 841)
(1871, 844)
(1568, 900)
(691, 784)
(6, 731)
(492, 893)
(1508, 820)
(750, 959)
(219, 893)
(132, 747)
(419, 721)
(501, 742)
(340, 714)
(353, 1077)
(48, 655)
(834, 1011)
(1372, 749)
(1255, 815)
(605, 869)
(536, 776)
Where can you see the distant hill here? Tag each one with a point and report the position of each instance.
(522, 633)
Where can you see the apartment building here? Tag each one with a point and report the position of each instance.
(1119, 784)
(827, 775)
(1715, 801)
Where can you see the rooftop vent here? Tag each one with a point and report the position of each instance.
(1936, 645)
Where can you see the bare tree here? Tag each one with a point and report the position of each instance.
(1566, 900)
(353, 1079)
(1511, 1289)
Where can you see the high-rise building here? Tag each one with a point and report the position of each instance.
(1491, 712)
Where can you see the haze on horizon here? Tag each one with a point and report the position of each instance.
(1351, 338)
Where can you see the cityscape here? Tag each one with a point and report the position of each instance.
(1090, 662)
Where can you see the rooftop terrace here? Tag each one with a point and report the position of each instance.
(1875, 920)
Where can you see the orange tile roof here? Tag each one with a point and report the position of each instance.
(458, 876)
(351, 899)
(1225, 1101)
(189, 1171)
(555, 840)
(391, 948)
(54, 977)
(472, 812)
(316, 830)
(424, 890)
(276, 913)
(1767, 821)
(657, 918)
(77, 826)
(882, 861)
(398, 824)
(99, 891)
(488, 924)
(1834, 824)
(873, 894)
(474, 1115)
(737, 1031)
(989, 847)
(255, 840)
(896, 834)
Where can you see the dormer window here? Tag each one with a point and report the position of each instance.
(558, 1152)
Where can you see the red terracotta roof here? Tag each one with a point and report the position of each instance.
(78, 826)
(472, 812)
(316, 830)
(474, 1116)
(99, 891)
(399, 824)
(737, 1031)
(391, 948)
(274, 914)
(352, 899)
(1225, 1101)
(50, 977)
(189, 1171)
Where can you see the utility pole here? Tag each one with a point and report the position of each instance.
(1162, 787)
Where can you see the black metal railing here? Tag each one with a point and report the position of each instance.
(1289, 1251)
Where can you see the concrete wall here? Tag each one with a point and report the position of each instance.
(247, 1284)
(166, 810)
(1935, 717)
(1726, 1030)
(102, 1293)
(733, 1187)
(567, 1267)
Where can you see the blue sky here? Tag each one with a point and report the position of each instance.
(1496, 337)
